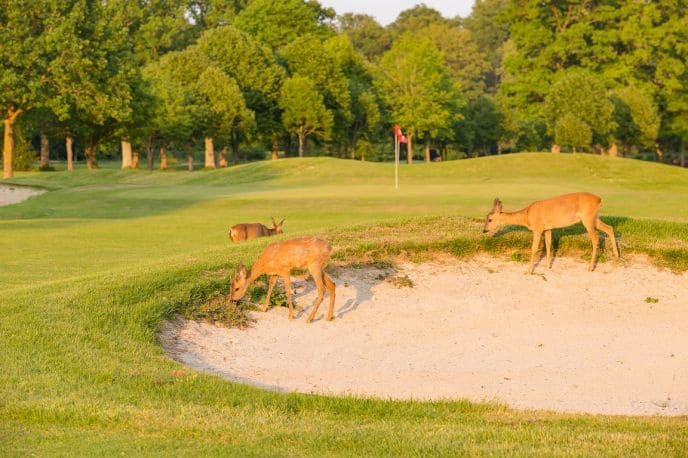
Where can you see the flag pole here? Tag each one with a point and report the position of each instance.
(396, 162)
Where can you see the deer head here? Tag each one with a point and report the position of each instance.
(239, 283)
(492, 222)
(277, 228)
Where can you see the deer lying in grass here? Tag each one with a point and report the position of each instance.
(557, 212)
(251, 231)
(278, 259)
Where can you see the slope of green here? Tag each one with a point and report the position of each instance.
(90, 268)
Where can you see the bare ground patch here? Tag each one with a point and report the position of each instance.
(612, 341)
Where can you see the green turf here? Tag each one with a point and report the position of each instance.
(91, 268)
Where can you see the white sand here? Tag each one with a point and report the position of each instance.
(569, 340)
(14, 194)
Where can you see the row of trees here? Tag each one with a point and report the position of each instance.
(241, 75)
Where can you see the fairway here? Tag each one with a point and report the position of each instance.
(93, 267)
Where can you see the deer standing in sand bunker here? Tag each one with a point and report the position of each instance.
(250, 231)
(278, 259)
(557, 212)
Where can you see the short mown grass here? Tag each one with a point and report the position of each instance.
(92, 268)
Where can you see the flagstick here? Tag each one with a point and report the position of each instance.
(396, 162)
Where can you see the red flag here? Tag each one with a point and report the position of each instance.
(400, 136)
(397, 131)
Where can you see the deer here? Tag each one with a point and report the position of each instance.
(250, 231)
(278, 259)
(557, 212)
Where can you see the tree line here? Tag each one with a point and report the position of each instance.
(235, 77)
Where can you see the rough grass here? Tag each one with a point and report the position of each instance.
(90, 270)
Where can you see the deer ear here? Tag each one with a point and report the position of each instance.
(241, 270)
(273, 221)
(498, 204)
(282, 222)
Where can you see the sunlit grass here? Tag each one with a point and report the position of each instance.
(91, 268)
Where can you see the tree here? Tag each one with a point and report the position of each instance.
(226, 115)
(303, 110)
(40, 42)
(366, 34)
(481, 127)
(254, 68)
(583, 95)
(489, 31)
(572, 131)
(416, 84)
(636, 117)
(277, 23)
(467, 63)
(416, 19)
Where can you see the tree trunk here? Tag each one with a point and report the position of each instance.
(613, 150)
(8, 143)
(683, 153)
(90, 153)
(235, 151)
(163, 157)
(189, 158)
(45, 152)
(209, 153)
(409, 149)
(302, 140)
(223, 157)
(69, 142)
(275, 148)
(126, 154)
(149, 154)
(659, 154)
(427, 151)
(135, 159)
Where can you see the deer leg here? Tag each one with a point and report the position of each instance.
(595, 239)
(287, 290)
(536, 244)
(317, 274)
(271, 284)
(548, 246)
(607, 229)
(331, 289)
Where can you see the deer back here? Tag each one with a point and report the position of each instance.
(248, 231)
(298, 253)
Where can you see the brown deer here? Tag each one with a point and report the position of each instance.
(557, 212)
(251, 231)
(278, 259)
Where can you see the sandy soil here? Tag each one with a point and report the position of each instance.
(14, 194)
(614, 341)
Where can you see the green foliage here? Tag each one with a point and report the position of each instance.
(24, 157)
(277, 23)
(303, 109)
(416, 84)
(571, 131)
(636, 117)
(368, 37)
(581, 95)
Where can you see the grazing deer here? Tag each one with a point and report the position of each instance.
(557, 212)
(278, 259)
(251, 231)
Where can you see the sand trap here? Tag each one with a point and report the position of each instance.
(568, 340)
(14, 194)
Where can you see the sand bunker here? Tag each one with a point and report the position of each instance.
(613, 341)
(14, 194)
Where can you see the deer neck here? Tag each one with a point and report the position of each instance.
(255, 272)
(518, 218)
